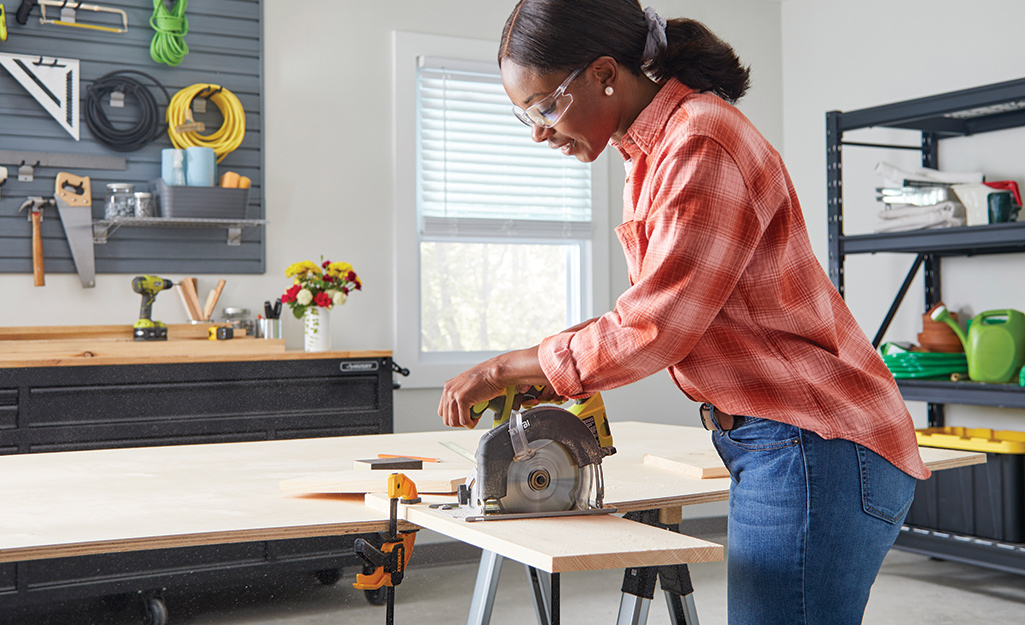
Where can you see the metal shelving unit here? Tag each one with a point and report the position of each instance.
(956, 114)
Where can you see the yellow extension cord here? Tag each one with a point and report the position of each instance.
(227, 138)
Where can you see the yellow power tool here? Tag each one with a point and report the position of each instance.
(146, 329)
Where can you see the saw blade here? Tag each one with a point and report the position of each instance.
(546, 482)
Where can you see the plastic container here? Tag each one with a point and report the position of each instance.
(201, 202)
(984, 500)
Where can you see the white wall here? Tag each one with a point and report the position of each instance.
(839, 55)
(328, 174)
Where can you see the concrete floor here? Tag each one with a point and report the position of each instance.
(910, 590)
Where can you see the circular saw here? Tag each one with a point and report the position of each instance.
(545, 461)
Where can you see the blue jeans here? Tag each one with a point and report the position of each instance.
(810, 522)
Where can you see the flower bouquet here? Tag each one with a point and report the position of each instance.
(323, 286)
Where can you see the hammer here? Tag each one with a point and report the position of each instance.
(35, 205)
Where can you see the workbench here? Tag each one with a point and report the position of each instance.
(71, 504)
(73, 388)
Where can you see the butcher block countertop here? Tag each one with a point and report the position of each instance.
(65, 346)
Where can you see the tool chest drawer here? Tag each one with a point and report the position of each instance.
(69, 408)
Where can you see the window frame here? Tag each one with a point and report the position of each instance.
(433, 371)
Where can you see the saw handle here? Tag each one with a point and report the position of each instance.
(38, 275)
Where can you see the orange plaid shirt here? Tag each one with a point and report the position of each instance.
(726, 292)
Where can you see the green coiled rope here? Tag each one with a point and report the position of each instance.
(171, 26)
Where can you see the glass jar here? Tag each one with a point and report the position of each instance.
(143, 204)
(120, 201)
(239, 319)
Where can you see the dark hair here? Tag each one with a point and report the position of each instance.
(551, 35)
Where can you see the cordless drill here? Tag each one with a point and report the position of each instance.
(145, 328)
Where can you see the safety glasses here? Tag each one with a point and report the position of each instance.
(548, 111)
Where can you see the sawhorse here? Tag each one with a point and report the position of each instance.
(638, 586)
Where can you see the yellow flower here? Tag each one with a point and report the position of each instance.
(339, 270)
(303, 269)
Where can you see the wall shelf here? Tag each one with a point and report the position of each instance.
(103, 228)
(966, 393)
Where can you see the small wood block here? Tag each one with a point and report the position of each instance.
(388, 464)
(699, 464)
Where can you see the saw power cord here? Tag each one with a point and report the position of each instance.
(143, 131)
(228, 137)
(171, 26)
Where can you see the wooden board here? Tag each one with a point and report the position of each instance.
(362, 481)
(705, 463)
(700, 465)
(42, 346)
(560, 545)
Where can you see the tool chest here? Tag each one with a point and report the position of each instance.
(70, 408)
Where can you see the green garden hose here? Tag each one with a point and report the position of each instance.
(171, 26)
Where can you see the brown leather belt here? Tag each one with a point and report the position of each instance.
(714, 419)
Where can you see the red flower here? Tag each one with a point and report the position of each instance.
(290, 294)
(328, 279)
(351, 276)
(325, 264)
(345, 290)
(322, 299)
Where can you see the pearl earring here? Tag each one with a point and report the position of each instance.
(609, 90)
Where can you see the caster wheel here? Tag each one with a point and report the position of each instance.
(155, 612)
(328, 577)
(377, 597)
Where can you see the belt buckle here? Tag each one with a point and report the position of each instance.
(705, 411)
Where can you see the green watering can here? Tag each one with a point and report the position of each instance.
(995, 345)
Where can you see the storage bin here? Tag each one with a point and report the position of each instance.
(201, 202)
(983, 500)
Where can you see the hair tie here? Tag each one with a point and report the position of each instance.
(656, 41)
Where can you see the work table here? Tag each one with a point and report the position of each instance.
(72, 346)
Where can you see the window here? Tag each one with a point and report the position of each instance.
(497, 232)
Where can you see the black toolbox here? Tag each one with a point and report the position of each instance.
(983, 500)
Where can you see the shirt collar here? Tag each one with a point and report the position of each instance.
(646, 131)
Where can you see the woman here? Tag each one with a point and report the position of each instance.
(726, 294)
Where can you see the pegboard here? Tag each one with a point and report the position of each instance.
(225, 40)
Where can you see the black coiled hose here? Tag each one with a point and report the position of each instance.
(147, 128)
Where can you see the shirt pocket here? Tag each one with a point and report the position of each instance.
(633, 238)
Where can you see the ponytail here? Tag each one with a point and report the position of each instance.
(560, 35)
(701, 60)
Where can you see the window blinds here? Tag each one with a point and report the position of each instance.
(479, 173)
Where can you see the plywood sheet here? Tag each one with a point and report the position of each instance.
(104, 501)
(560, 545)
(363, 481)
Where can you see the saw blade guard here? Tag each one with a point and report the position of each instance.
(551, 459)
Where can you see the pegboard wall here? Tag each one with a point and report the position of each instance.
(225, 48)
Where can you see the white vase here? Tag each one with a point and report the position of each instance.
(316, 330)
